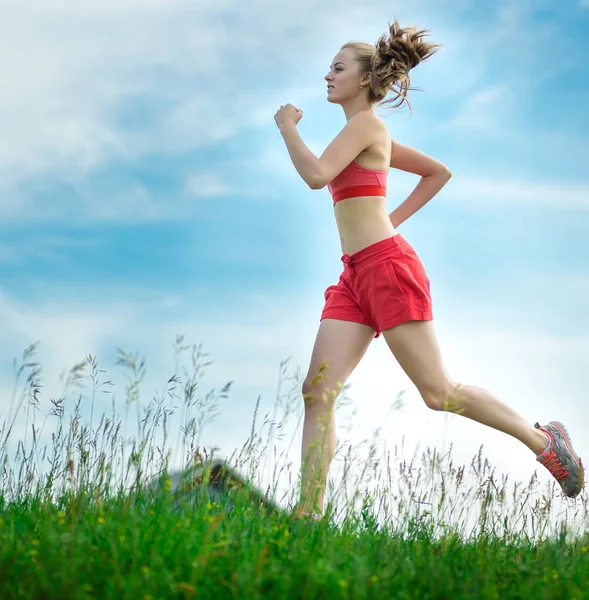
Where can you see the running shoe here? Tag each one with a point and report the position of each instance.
(560, 459)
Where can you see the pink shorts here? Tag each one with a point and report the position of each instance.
(382, 285)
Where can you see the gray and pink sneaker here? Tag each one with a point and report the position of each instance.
(560, 459)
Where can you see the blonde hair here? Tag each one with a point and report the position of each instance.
(390, 60)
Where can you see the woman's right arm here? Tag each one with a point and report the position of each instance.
(434, 176)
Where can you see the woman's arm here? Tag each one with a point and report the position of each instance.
(434, 176)
(358, 134)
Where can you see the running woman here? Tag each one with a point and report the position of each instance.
(383, 287)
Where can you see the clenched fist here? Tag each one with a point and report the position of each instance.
(288, 115)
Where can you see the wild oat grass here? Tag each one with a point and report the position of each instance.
(99, 516)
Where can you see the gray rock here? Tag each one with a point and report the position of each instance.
(211, 480)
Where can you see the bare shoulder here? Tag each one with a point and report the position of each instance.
(377, 120)
(382, 132)
(372, 120)
(377, 155)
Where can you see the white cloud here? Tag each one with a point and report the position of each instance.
(174, 68)
(481, 110)
(113, 85)
(213, 185)
(207, 185)
(66, 73)
(470, 190)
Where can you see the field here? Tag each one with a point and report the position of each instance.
(103, 516)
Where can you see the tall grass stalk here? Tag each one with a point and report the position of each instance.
(386, 489)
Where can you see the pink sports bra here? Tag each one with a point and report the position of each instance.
(355, 180)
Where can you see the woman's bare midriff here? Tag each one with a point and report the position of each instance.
(362, 221)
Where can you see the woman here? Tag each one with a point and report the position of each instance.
(383, 287)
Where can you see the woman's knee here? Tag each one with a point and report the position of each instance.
(324, 394)
(439, 397)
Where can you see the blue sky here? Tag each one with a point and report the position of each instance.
(146, 192)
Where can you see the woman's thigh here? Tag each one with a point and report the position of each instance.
(339, 347)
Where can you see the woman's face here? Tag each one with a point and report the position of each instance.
(343, 76)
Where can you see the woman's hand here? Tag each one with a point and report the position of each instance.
(288, 115)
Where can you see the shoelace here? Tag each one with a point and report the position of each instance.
(555, 466)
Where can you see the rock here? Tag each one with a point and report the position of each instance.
(211, 480)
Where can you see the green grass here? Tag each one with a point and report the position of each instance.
(101, 516)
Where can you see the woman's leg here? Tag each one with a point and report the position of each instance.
(338, 348)
(415, 346)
